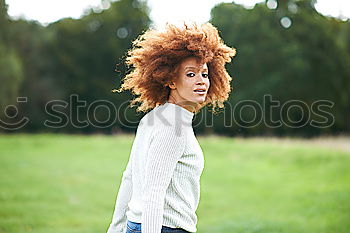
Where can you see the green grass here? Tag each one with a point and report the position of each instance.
(60, 183)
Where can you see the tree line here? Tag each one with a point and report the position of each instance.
(291, 74)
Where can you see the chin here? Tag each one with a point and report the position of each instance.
(201, 100)
(197, 100)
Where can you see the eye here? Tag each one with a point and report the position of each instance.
(205, 75)
(190, 74)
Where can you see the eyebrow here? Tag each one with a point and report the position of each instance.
(189, 67)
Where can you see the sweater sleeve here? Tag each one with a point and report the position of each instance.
(166, 148)
(118, 224)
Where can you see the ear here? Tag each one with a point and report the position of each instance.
(172, 85)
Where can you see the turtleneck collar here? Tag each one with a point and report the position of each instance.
(186, 115)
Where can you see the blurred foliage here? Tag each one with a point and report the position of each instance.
(10, 64)
(307, 61)
(75, 57)
(290, 52)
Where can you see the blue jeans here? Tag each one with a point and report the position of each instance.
(134, 227)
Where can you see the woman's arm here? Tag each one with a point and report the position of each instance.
(166, 148)
(118, 224)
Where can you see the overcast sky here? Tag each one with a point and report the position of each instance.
(46, 11)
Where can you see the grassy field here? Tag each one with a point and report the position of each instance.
(68, 184)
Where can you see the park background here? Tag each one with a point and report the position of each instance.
(291, 177)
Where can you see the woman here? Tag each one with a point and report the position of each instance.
(176, 73)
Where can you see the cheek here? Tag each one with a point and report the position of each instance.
(184, 88)
(187, 86)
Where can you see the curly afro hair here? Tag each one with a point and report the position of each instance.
(155, 55)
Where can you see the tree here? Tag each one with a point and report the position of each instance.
(304, 61)
(11, 74)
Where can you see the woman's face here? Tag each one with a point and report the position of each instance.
(191, 85)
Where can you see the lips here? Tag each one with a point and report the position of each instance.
(200, 90)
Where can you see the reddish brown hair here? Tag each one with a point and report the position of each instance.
(156, 54)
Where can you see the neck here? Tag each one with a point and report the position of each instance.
(188, 105)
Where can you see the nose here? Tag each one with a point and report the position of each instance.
(201, 80)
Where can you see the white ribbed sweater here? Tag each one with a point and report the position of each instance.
(161, 182)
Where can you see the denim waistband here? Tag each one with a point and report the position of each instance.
(137, 226)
